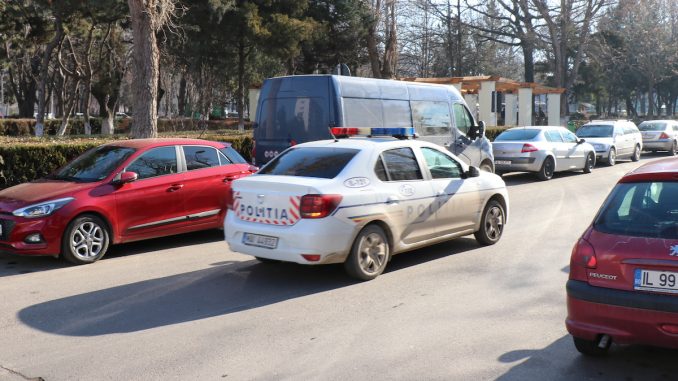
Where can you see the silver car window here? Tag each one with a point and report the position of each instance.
(553, 136)
(569, 137)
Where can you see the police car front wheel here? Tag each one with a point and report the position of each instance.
(369, 254)
(492, 224)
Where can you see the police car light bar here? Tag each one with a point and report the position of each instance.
(373, 131)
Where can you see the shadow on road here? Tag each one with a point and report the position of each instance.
(561, 361)
(225, 288)
(16, 265)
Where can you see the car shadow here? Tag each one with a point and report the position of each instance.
(225, 288)
(561, 361)
(17, 265)
(521, 178)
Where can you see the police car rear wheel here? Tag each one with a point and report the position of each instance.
(492, 224)
(369, 254)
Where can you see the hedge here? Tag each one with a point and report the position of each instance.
(26, 127)
(25, 159)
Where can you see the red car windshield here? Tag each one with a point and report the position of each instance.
(642, 209)
(94, 165)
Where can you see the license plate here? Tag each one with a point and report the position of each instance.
(650, 280)
(260, 240)
(502, 162)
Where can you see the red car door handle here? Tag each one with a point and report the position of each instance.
(175, 187)
(230, 178)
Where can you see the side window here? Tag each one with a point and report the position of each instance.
(380, 171)
(431, 118)
(440, 165)
(156, 162)
(232, 156)
(199, 157)
(401, 164)
(675, 127)
(360, 112)
(553, 136)
(618, 131)
(462, 118)
(569, 137)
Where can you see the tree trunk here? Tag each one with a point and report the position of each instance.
(372, 48)
(107, 122)
(528, 58)
(145, 60)
(44, 73)
(182, 95)
(240, 96)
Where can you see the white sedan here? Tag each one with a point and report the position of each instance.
(358, 201)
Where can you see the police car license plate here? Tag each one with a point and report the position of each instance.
(502, 162)
(662, 281)
(260, 240)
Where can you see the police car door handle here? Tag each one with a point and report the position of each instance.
(392, 200)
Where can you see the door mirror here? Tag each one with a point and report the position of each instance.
(481, 128)
(126, 177)
(478, 131)
(472, 172)
(580, 141)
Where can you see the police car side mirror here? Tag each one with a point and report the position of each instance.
(472, 172)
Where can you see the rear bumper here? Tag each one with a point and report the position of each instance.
(628, 317)
(658, 145)
(329, 237)
(518, 164)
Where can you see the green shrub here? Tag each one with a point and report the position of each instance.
(23, 159)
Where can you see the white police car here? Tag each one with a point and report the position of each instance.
(361, 200)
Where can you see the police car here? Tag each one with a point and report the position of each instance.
(360, 200)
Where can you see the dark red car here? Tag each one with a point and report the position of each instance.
(120, 192)
(623, 285)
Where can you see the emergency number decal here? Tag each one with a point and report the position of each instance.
(357, 182)
(406, 190)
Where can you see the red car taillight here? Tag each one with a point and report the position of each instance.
(319, 205)
(664, 135)
(528, 148)
(583, 257)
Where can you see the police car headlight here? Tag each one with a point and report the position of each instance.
(42, 209)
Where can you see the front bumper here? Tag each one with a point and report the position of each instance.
(328, 237)
(628, 317)
(16, 229)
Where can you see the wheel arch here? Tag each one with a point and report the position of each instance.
(107, 222)
(502, 201)
(384, 226)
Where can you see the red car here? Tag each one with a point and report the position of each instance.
(623, 284)
(120, 192)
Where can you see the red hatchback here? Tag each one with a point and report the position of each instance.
(120, 192)
(623, 284)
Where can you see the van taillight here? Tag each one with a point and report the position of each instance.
(319, 205)
(583, 258)
(528, 148)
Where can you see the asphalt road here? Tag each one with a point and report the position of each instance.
(186, 308)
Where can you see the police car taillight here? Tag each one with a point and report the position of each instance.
(318, 205)
(373, 131)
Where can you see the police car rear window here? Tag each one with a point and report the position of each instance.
(321, 162)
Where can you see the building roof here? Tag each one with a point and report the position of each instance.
(471, 85)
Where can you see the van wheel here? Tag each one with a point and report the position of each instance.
(590, 347)
(547, 169)
(369, 254)
(85, 240)
(636, 154)
(492, 224)
(485, 166)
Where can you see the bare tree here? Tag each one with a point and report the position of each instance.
(383, 60)
(147, 18)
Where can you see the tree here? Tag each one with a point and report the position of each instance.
(383, 48)
(147, 18)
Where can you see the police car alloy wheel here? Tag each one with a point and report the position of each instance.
(492, 224)
(369, 254)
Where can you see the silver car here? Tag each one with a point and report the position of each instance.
(543, 149)
(660, 135)
(613, 139)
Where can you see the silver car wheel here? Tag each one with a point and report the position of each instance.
(87, 240)
(373, 251)
(494, 223)
(612, 158)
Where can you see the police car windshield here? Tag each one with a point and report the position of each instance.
(321, 162)
(517, 135)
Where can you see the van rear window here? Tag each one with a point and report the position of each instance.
(300, 119)
(321, 162)
(646, 209)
